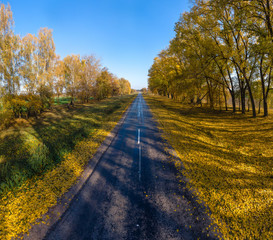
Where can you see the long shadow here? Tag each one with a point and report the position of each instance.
(59, 133)
(70, 128)
(199, 113)
(18, 168)
(142, 211)
(237, 179)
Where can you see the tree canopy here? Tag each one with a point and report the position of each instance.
(31, 73)
(220, 49)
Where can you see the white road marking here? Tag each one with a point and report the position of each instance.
(139, 110)
(139, 166)
(140, 119)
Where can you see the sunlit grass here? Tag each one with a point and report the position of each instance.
(228, 159)
(41, 160)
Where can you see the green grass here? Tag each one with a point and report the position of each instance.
(64, 100)
(30, 148)
(228, 159)
(61, 100)
(48, 156)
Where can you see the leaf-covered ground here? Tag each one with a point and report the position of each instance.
(40, 160)
(228, 159)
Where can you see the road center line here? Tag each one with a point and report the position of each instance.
(138, 138)
(139, 166)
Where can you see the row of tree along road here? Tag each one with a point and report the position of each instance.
(223, 49)
(31, 73)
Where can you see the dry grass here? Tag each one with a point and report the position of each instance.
(228, 159)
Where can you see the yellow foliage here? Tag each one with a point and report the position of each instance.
(228, 161)
(20, 208)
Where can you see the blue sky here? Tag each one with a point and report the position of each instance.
(124, 34)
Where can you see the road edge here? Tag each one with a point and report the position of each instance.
(169, 149)
(48, 221)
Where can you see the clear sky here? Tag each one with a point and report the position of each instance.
(124, 34)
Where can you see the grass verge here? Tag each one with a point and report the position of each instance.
(44, 158)
(228, 159)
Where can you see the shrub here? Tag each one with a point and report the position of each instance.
(46, 95)
(6, 117)
(34, 105)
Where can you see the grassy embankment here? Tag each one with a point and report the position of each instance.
(41, 159)
(228, 159)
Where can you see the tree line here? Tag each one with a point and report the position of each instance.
(222, 49)
(31, 73)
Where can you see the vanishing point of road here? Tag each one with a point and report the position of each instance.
(134, 192)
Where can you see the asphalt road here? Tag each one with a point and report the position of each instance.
(134, 192)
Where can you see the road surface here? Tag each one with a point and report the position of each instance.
(134, 192)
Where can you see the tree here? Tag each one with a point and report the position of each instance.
(90, 72)
(125, 86)
(29, 66)
(31, 73)
(218, 46)
(103, 84)
(72, 73)
(9, 52)
(116, 89)
(259, 23)
(59, 77)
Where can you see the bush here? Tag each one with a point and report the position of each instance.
(46, 95)
(6, 117)
(17, 106)
(34, 105)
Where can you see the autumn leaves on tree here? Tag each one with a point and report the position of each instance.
(222, 49)
(31, 73)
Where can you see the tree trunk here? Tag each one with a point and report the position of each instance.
(72, 101)
(225, 97)
(265, 107)
(264, 98)
(220, 103)
(243, 100)
(210, 94)
(248, 104)
(211, 102)
(263, 88)
(240, 103)
(251, 99)
(233, 101)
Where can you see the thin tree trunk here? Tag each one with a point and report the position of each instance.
(225, 97)
(210, 95)
(233, 99)
(239, 102)
(251, 99)
(220, 103)
(248, 104)
(243, 100)
(263, 89)
(265, 107)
